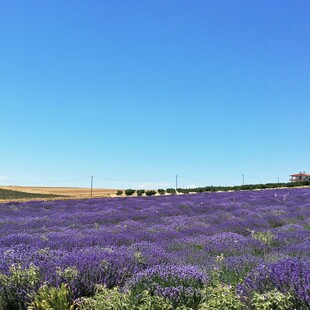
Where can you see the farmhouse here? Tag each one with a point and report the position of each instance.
(301, 176)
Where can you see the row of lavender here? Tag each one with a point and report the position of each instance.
(262, 238)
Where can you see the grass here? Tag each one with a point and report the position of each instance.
(6, 194)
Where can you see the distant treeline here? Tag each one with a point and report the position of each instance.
(242, 187)
(6, 194)
(140, 192)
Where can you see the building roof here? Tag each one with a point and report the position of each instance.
(300, 174)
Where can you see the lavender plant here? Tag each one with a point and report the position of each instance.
(182, 285)
(85, 243)
(290, 276)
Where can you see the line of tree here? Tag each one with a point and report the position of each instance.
(211, 188)
(242, 187)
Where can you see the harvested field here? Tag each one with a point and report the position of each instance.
(67, 192)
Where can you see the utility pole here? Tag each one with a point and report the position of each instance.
(91, 185)
(243, 179)
(176, 182)
(278, 180)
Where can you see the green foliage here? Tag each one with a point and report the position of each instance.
(16, 286)
(147, 301)
(150, 193)
(243, 187)
(218, 295)
(234, 277)
(6, 194)
(273, 300)
(221, 297)
(198, 247)
(217, 270)
(139, 257)
(221, 188)
(161, 191)
(52, 298)
(129, 192)
(119, 193)
(170, 190)
(68, 275)
(113, 299)
(178, 291)
(107, 299)
(264, 236)
(140, 192)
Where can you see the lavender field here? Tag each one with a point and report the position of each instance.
(236, 250)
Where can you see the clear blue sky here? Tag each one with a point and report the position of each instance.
(145, 90)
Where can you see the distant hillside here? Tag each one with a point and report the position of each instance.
(6, 194)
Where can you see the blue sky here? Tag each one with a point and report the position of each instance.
(144, 90)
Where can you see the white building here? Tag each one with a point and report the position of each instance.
(299, 177)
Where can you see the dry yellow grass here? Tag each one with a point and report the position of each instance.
(70, 192)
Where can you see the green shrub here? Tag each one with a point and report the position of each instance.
(69, 275)
(129, 192)
(161, 191)
(264, 236)
(147, 302)
(234, 277)
(221, 297)
(7, 194)
(52, 298)
(273, 300)
(218, 295)
(150, 193)
(107, 299)
(240, 187)
(140, 192)
(171, 190)
(112, 299)
(139, 257)
(16, 287)
(119, 193)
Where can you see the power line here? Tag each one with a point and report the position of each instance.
(262, 178)
(134, 181)
(209, 180)
(171, 178)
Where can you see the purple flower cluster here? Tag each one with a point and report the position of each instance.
(169, 274)
(181, 284)
(110, 241)
(291, 275)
